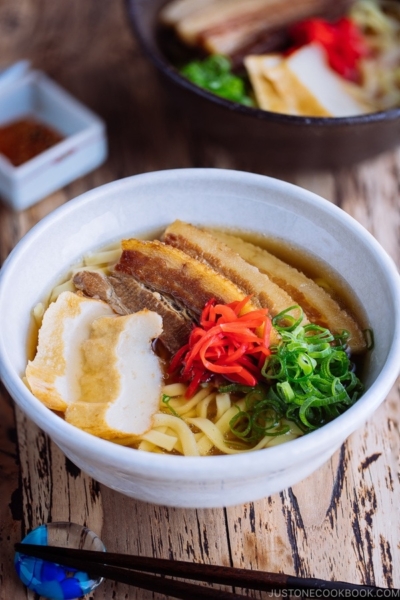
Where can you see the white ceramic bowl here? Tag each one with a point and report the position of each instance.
(145, 204)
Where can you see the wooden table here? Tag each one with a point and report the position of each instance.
(344, 521)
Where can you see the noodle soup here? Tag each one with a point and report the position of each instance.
(147, 203)
(320, 59)
(281, 363)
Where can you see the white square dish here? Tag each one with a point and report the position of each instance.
(84, 147)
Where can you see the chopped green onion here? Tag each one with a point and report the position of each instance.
(166, 400)
(235, 387)
(214, 74)
(286, 392)
(241, 424)
(309, 381)
(287, 322)
(262, 417)
(369, 338)
(311, 371)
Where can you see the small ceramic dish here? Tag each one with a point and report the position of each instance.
(27, 93)
(143, 205)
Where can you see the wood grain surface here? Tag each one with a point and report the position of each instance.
(341, 523)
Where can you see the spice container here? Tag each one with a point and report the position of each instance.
(72, 138)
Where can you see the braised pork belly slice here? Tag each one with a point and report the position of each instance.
(125, 295)
(226, 26)
(215, 253)
(166, 280)
(96, 285)
(318, 305)
(175, 274)
(175, 11)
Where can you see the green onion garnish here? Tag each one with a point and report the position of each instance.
(369, 338)
(214, 74)
(166, 400)
(309, 380)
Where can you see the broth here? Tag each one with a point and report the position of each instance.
(314, 268)
(311, 266)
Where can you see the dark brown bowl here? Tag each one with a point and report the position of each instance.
(281, 140)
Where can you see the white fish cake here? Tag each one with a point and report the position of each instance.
(267, 95)
(303, 84)
(122, 377)
(338, 97)
(53, 376)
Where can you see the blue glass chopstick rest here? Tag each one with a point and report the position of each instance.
(50, 579)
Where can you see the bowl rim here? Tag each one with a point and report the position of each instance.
(179, 467)
(172, 73)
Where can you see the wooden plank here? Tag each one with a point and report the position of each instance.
(10, 496)
(148, 530)
(352, 498)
